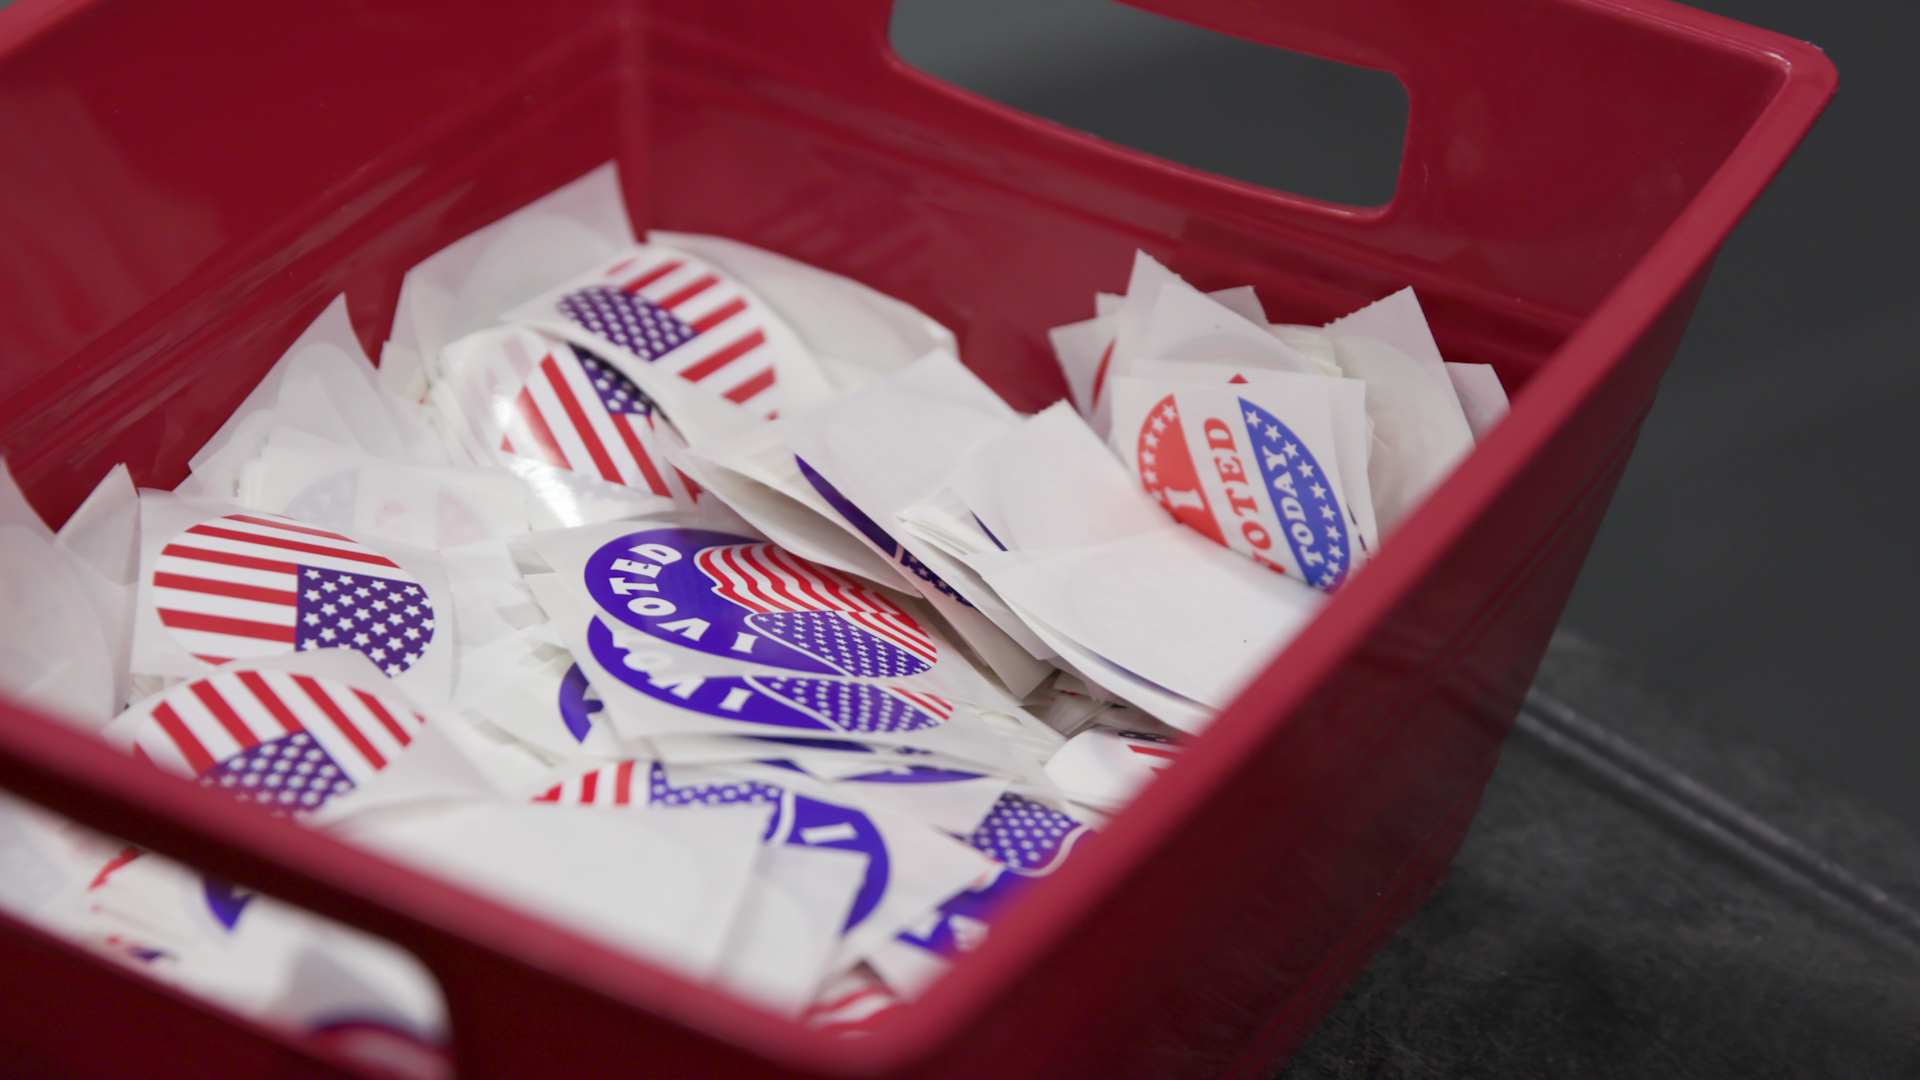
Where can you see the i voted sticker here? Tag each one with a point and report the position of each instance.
(1232, 471)
(735, 597)
(833, 705)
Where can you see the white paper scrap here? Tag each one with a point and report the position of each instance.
(16, 510)
(105, 531)
(433, 771)
(663, 885)
(951, 800)
(1311, 342)
(855, 334)
(321, 483)
(1482, 397)
(1418, 421)
(758, 475)
(875, 452)
(532, 689)
(1083, 350)
(790, 923)
(1049, 482)
(466, 285)
(54, 655)
(1177, 710)
(1108, 768)
(325, 386)
(1186, 324)
(1130, 318)
(911, 865)
(1168, 605)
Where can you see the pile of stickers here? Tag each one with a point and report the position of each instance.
(701, 601)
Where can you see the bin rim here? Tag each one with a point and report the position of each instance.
(42, 758)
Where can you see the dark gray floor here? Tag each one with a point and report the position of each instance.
(1646, 893)
(1755, 561)
(1759, 557)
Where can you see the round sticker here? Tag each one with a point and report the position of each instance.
(283, 741)
(579, 413)
(247, 586)
(733, 596)
(775, 700)
(685, 318)
(1257, 489)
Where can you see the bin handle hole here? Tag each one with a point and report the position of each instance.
(1207, 100)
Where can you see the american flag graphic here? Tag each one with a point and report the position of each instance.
(1028, 836)
(859, 707)
(578, 413)
(247, 586)
(820, 611)
(1029, 839)
(686, 318)
(640, 783)
(284, 741)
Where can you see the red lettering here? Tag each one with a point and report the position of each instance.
(1231, 471)
(1256, 535)
(1219, 435)
(1241, 504)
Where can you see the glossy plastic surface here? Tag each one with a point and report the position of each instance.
(185, 184)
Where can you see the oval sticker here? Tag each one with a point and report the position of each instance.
(775, 700)
(733, 596)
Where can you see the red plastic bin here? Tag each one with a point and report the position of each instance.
(184, 185)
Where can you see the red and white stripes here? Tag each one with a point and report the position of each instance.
(729, 354)
(622, 784)
(764, 578)
(560, 417)
(229, 588)
(200, 724)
